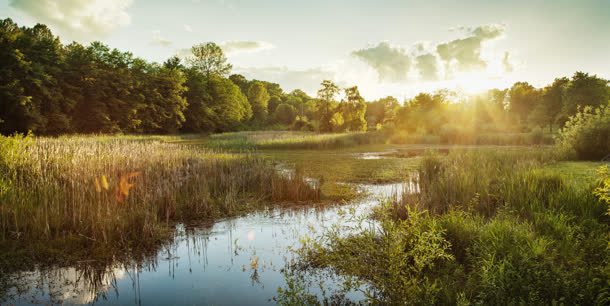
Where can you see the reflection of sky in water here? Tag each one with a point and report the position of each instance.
(237, 261)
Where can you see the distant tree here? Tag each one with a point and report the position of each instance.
(229, 103)
(425, 111)
(285, 114)
(523, 97)
(550, 107)
(209, 59)
(214, 105)
(259, 100)
(173, 62)
(326, 105)
(337, 122)
(353, 110)
(161, 92)
(381, 111)
(584, 90)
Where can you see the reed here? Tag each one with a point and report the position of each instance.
(483, 227)
(291, 140)
(120, 192)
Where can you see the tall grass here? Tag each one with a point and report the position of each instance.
(291, 140)
(536, 137)
(487, 227)
(120, 193)
(487, 180)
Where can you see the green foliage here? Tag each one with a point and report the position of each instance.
(285, 114)
(327, 105)
(585, 90)
(523, 99)
(586, 134)
(602, 191)
(210, 60)
(490, 228)
(382, 111)
(354, 109)
(259, 101)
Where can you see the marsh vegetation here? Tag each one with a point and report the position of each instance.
(264, 195)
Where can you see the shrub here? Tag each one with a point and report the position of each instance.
(586, 135)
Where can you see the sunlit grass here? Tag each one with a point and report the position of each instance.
(127, 192)
(287, 140)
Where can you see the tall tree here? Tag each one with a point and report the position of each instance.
(552, 102)
(209, 59)
(326, 104)
(523, 98)
(259, 100)
(354, 109)
(582, 90)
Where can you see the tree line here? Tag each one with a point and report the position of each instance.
(50, 88)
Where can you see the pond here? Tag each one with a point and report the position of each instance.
(237, 261)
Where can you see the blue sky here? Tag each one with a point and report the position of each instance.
(385, 47)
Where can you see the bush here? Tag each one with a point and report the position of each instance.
(586, 135)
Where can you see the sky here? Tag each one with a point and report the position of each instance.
(388, 47)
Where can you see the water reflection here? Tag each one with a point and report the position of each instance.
(236, 261)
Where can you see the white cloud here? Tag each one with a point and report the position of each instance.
(392, 63)
(78, 19)
(244, 46)
(464, 54)
(188, 28)
(158, 39)
(473, 53)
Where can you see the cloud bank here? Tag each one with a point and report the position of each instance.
(391, 63)
(441, 61)
(78, 19)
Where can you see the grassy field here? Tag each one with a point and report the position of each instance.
(283, 140)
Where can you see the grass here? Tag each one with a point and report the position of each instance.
(112, 194)
(486, 227)
(282, 140)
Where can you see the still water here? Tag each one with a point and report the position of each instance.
(236, 261)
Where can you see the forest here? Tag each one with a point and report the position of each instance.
(49, 88)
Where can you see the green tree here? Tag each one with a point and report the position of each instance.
(523, 98)
(214, 105)
(354, 109)
(381, 111)
(326, 105)
(241, 82)
(209, 59)
(285, 114)
(161, 92)
(259, 100)
(584, 90)
(548, 110)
